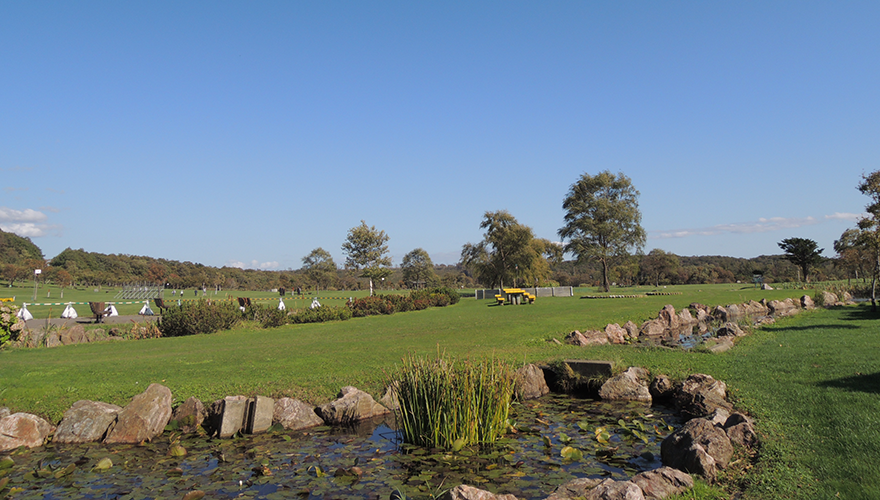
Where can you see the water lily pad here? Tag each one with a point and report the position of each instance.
(104, 464)
(194, 495)
(570, 453)
(6, 463)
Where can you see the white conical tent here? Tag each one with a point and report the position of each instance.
(281, 305)
(315, 304)
(24, 314)
(69, 312)
(111, 311)
(146, 311)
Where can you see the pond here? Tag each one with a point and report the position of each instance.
(557, 438)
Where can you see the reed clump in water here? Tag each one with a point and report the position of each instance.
(450, 404)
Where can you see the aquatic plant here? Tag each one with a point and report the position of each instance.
(449, 404)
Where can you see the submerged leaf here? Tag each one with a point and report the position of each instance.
(570, 453)
(6, 463)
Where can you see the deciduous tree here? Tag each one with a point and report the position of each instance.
(870, 227)
(602, 220)
(507, 252)
(318, 265)
(417, 269)
(366, 251)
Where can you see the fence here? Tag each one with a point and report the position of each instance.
(543, 291)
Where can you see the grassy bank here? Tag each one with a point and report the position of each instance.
(811, 381)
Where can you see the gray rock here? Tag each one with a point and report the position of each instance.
(576, 488)
(351, 406)
(661, 388)
(719, 345)
(669, 318)
(720, 314)
(227, 416)
(653, 328)
(659, 484)
(740, 430)
(74, 335)
(389, 399)
(86, 422)
(616, 334)
(23, 429)
(807, 302)
(53, 340)
(684, 448)
(596, 337)
(260, 410)
(465, 492)
(700, 395)
(730, 329)
(610, 489)
(631, 385)
(190, 415)
(293, 414)
(685, 318)
(576, 338)
(632, 329)
(144, 418)
(530, 382)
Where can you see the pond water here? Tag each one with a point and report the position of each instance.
(557, 438)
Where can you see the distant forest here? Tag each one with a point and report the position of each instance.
(19, 257)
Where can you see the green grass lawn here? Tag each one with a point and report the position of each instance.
(811, 381)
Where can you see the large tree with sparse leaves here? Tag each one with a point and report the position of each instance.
(602, 220)
(869, 227)
(366, 251)
(508, 253)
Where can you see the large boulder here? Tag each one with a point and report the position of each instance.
(576, 488)
(740, 430)
(653, 328)
(663, 482)
(720, 314)
(730, 329)
(74, 335)
(661, 388)
(616, 334)
(685, 317)
(829, 299)
(530, 382)
(669, 318)
(576, 338)
(352, 405)
(227, 416)
(190, 415)
(610, 489)
(86, 422)
(589, 337)
(632, 329)
(144, 418)
(807, 302)
(465, 492)
(23, 429)
(698, 447)
(700, 395)
(631, 385)
(294, 415)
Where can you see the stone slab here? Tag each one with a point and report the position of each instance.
(259, 415)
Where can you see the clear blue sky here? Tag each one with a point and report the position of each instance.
(250, 133)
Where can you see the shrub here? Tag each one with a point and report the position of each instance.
(321, 314)
(448, 404)
(437, 297)
(10, 324)
(196, 317)
(266, 316)
(371, 306)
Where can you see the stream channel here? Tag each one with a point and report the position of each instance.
(557, 438)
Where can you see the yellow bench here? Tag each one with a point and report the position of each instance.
(500, 300)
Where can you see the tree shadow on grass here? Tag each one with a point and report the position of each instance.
(861, 313)
(804, 328)
(869, 383)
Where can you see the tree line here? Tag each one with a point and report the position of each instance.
(601, 230)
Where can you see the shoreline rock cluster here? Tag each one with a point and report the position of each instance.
(670, 325)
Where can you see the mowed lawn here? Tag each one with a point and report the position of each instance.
(811, 381)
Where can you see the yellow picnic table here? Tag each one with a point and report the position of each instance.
(514, 296)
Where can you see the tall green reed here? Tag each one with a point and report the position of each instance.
(449, 404)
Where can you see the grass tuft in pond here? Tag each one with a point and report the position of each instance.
(450, 404)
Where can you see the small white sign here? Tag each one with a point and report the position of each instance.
(38, 271)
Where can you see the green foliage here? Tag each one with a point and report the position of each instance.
(366, 250)
(10, 324)
(802, 252)
(15, 249)
(197, 317)
(450, 404)
(415, 301)
(508, 252)
(320, 315)
(417, 268)
(602, 219)
(266, 316)
(320, 268)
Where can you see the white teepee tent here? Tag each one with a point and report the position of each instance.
(111, 311)
(146, 311)
(24, 314)
(69, 312)
(281, 305)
